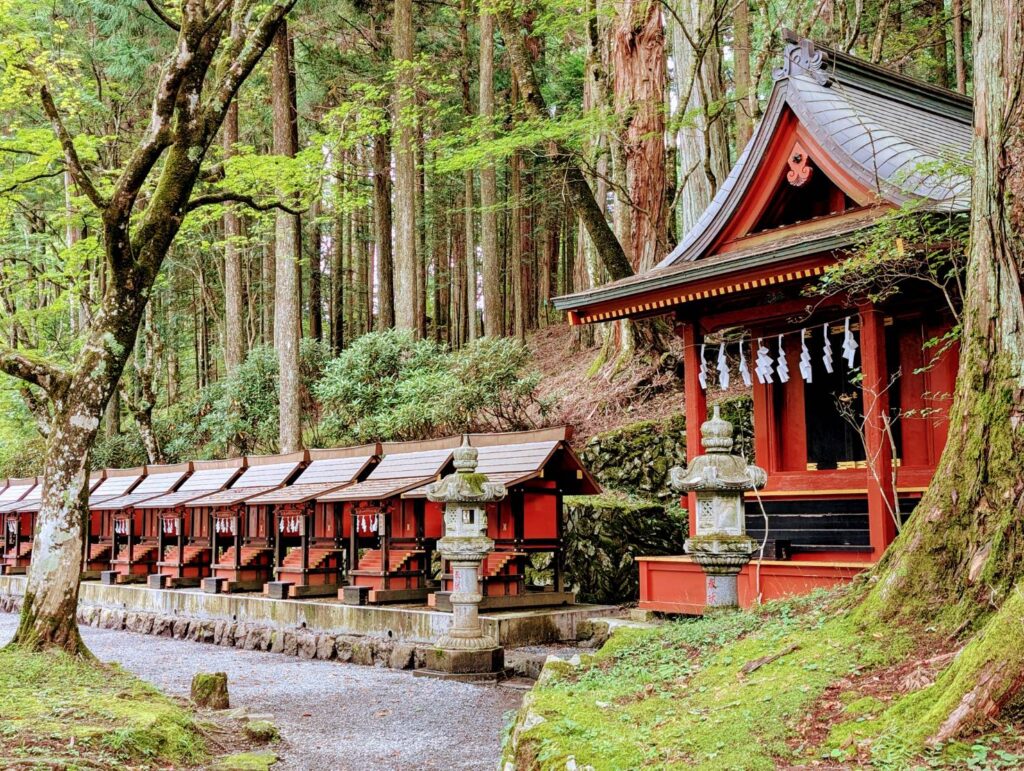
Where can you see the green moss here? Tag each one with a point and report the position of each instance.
(676, 695)
(246, 761)
(865, 705)
(262, 731)
(67, 708)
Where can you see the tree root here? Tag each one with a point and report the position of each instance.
(987, 676)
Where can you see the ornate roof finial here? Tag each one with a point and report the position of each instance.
(802, 58)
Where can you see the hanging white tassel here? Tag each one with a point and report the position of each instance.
(826, 356)
(744, 369)
(805, 358)
(723, 368)
(782, 368)
(763, 364)
(702, 375)
(850, 345)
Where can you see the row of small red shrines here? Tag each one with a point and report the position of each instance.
(353, 521)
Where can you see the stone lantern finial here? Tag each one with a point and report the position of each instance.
(721, 546)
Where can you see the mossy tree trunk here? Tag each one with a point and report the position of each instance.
(961, 557)
(199, 79)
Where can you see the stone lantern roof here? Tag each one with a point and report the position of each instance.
(718, 468)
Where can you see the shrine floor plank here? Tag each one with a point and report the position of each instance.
(331, 715)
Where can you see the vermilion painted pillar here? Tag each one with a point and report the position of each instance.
(696, 401)
(875, 385)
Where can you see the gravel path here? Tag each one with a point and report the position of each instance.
(331, 716)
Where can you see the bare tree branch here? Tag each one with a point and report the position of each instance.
(46, 375)
(228, 197)
(162, 15)
(70, 153)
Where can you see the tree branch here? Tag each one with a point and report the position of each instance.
(228, 197)
(47, 376)
(67, 143)
(162, 15)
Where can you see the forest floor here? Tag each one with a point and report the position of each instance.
(585, 396)
(794, 685)
(330, 715)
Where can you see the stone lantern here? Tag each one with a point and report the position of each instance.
(719, 479)
(465, 651)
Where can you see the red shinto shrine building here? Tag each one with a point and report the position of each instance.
(842, 143)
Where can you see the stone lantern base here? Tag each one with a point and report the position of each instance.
(482, 665)
(721, 557)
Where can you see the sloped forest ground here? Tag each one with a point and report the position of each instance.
(799, 684)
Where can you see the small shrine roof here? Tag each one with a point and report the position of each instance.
(207, 477)
(263, 474)
(397, 472)
(329, 470)
(160, 479)
(117, 482)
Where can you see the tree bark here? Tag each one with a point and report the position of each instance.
(316, 303)
(288, 253)
(702, 142)
(234, 323)
(382, 229)
(639, 69)
(746, 94)
(959, 66)
(403, 36)
(489, 190)
(959, 562)
(469, 333)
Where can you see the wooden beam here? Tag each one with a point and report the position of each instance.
(696, 402)
(875, 385)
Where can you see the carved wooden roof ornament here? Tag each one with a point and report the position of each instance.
(802, 58)
(800, 169)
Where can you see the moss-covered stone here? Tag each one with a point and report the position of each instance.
(605, 534)
(210, 690)
(262, 731)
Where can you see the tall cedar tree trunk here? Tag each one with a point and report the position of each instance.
(234, 323)
(959, 562)
(288, 243)
(746, 94)
(168, 161)
(382, 229)
(403, 44)
(959, 66)
(337, 268)
(316, 302)
(702, 141)
(469, 333)
(489, 190)
(578, 191)
(639, 67)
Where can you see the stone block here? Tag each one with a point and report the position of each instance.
(325, 647)
(291, 645)
(306, 645)
(108, 577)
(466, 662)
(403, 656)
(213, 585)
(354, 595)
(210, 690)
(156, 581)
(278, 590)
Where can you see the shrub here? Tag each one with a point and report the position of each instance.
(388, 385)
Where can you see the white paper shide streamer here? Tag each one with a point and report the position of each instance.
(744, 369)
(723, 368)
(702, 376)
(782, 368)
(805, 358)
(826, 356)
(850, 345)
(763, 365)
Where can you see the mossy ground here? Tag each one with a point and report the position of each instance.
(58, 711)
(677, 697)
